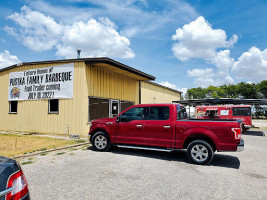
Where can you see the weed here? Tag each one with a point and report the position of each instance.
(26, 162)
(60, 153)
(80, 140)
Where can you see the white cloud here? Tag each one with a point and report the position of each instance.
(6, 59)
(198, 40)
(169, 85)
(200, 72)
(37, 31)
(207, 77)
(251, 65)
(183, 90)
(95, 38)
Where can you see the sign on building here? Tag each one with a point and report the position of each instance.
(55, 82)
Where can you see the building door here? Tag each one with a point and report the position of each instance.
(114, 108)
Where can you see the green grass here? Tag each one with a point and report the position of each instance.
(60, 153)
(27, 162)
(16, 144)
(80, 140)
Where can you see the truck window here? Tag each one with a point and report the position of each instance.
(181, 112)
(157, 113)
(242, 111)
(136, 113)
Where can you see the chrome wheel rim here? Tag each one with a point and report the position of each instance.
(101, 142)
(199, 152)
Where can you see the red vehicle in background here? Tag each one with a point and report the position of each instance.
(235, 112)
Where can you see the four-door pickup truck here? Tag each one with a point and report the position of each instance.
(165, 127)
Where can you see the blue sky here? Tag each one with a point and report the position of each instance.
(184, 44)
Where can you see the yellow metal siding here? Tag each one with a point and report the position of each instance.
(32, 116)
(108, 84)
(155, 94)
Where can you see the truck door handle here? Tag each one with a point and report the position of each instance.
(139, 126)
(167, 126)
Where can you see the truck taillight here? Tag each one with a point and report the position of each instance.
(237, 132)
(19, 186)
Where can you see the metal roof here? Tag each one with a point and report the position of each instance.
(195, 102)
(165, 87)
(88, 61)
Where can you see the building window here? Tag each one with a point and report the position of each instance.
(104, 108)
(125, 105)
(53, 106)
(98, 108)
(13, 107)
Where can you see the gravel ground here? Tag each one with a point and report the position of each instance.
(139, 174)
(261, 123)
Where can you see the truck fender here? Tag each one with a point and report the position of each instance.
(199, 133)
(102, 127)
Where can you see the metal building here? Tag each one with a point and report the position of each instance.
(63, 96)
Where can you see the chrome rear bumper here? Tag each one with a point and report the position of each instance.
(240, 146)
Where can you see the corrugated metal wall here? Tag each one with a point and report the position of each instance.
(108, 84)
(155, 94)
(32, 116)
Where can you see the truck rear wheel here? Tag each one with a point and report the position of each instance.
(200, 152)
(101, 141)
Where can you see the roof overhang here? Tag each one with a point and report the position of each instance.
(117, 67)
(104, 62)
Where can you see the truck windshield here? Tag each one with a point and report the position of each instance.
(181, 112)
(242, 111)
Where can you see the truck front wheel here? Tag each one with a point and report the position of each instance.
(101, 141)
(199, 152)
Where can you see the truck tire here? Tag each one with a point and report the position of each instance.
(101, 141)
(200, 152)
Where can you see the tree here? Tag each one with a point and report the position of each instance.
(196, 93)
(240, 90)
(230, 91)
(263, 88)
(214, 92)
(248, 90)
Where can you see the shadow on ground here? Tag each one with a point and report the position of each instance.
(254, 133)
(219, 160)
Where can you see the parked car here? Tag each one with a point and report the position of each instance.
(13, 184)
(165, 127)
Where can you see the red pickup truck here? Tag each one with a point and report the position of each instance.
(165, 127)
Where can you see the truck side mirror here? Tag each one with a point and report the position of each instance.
(118, 119)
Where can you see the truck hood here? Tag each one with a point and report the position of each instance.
(102, 120)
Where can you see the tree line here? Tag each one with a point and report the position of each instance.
(239, 90)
